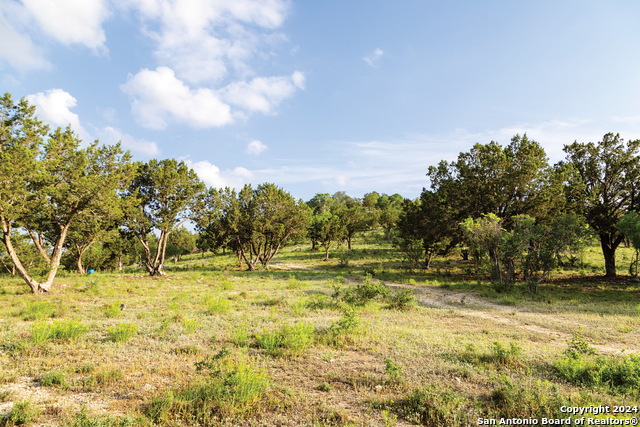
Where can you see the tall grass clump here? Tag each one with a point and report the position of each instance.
(537, 399)
(37, 310)
(294, 339)
(22, 412)
(216, 305)
(229, 388)
(122, 332)
(53, 378)
(112, 310)
(65, 330)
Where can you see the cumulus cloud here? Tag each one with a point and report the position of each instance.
(262, 94)
(110, 135)
(374, 58)
(54, 106)
(158, 96)
(256, 147)
(71, 21)
(16, 47)
(211, 175)
(198, 37)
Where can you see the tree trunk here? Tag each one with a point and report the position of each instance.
(79, 265)
(313, 245)
(349, 243)
(427, 260)
(119, 262)
(609, 251)
(39, 244)
(389, 235)
(326, 253)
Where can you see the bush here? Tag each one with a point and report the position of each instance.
(394, 371)
(66, 330)
(360, 295)
(620, 374)
(231, 387)
(402, 300)
(348, 323)
(122, 332)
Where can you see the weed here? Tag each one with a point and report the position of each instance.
(122, 332)
(191, 349)
(5, 395)
(534, 400)
(348, 323)
(86, 368)
(190, 326)
(216, 305)
(83, 419)
(37, 310)
(23, 412)
(66, 330)
(231, 387)
(299, 308)
(53, 378)
(620, 374)
(505, 356)
(294, 283)
(389, 419)
(269, 341)
(241, 336)
(320, 302)
(112, 310)
(108, 377)
(578, 346)
(394, 371)
(325, 386)
(226, 285)
(295, 339)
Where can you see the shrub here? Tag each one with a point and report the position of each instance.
(616, 373)
(122, 332)
(578, 346)
(402, 300)
(505, 356)
(22, 412)
(348, 323)
(66, 330)
(361, 294)
(392, 370)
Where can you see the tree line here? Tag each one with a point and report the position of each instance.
(59, 202)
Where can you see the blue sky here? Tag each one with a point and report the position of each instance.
(324, 96)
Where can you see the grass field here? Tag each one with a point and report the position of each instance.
(317, 343)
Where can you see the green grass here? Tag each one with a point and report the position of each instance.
(446, 350)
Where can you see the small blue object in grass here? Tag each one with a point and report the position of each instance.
(90, 271)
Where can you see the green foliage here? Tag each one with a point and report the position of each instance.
(216, 305)
(66, 330)
(231, 387)
(53, 378)
(347, 324)
(122, 332)
(433, 406)
(537, 399)
(83, 419)
(295, 339)
(394, 371)
(403, 299)
(22, 412)
(37, 310)
(578, 346)
(361, 294)
(241, 336)
(190, 326)
(112, 310)
(505, 356)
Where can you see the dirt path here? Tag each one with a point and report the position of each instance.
(525, 319)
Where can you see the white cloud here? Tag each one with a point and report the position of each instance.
(197, 37)
(71, 21)
(158, 96)
(256, 147)
(17, 48)
(211, 175)
(262, 94)
(110, 135)
(374, 58)
(54, 107)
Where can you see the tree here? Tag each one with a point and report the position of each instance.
(629, 225)
(505, 181)
(50, 185)
(608, 181)
(164, 195)
(390, 209)
(326, 228)
(122, 248)
(353, 217)
(487, 232)
(181, 242)
(319, 204)
(259, 222)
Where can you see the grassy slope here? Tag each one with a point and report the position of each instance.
(446, 342)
